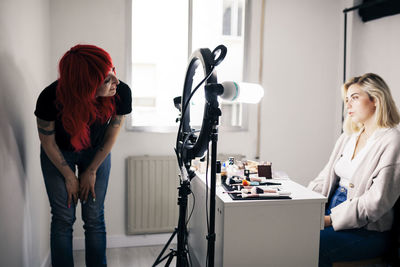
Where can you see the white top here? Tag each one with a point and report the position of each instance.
(345, 166)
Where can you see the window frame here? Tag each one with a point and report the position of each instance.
(171, 129)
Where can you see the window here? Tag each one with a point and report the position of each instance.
(232, 18)
(160, 48)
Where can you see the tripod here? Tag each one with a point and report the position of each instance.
(189, 146)
(181, 252)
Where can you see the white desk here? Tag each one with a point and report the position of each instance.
(277, 232)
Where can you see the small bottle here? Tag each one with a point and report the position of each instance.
(203, 165)
(223, 173)
(247, 174)
(218, 173)
(230, 169)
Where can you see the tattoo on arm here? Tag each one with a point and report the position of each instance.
(42, 123)
(45, 127)
(63, 161)
(116, 121)
(45, 132)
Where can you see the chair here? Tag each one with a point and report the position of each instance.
(363, 263)
(392, 258)
(393, 255)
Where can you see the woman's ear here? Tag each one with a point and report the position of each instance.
(373, 99)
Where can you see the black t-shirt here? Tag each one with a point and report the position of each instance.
(47, 110)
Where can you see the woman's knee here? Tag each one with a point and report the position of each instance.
(62, 222)
(93, 219)
(95, 225)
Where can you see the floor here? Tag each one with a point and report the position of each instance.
(127, 257)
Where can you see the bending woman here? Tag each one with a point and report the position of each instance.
(79, 117)
(362, 177)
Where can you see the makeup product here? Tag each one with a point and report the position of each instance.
(284, 193)
(258, 190)
(247, 174)
(268, 183)
(265, 170)
(223, 173)
(218, 173)
(232, 192)
(260, 195)
(255, 179)
(230, 169)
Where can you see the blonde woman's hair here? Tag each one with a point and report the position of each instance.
(386, 113)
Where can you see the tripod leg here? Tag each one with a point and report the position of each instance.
(180, 231)
(211, 233)
(187, 260)
(171, 256)
(165, 248)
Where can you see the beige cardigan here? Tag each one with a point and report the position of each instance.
(374, 189)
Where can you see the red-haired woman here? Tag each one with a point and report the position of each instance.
(79, 117)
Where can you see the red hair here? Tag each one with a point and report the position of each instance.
(82, 70)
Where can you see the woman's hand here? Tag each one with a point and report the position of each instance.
(72, 185)
(86, 184)
(327, 221)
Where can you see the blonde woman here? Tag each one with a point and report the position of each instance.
(362, 177)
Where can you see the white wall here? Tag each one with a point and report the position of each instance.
(24, 70)
(302, 64)
(375, 48)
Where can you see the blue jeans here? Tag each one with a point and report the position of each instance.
(339, 196)
(63, 217)
(352, 244)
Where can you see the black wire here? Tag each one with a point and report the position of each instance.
(190, 258)
(190, 216)
(183, 144)
(188, 252)
(184, 111)
(177, 158)
(191, 212)
(207, 257)
(208, 225)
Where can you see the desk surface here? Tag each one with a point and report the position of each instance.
(299, 194)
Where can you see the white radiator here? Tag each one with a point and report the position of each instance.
(152, 194)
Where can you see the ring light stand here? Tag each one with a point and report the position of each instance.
(189, 146)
